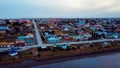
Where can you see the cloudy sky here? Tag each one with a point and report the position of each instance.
(59, 8)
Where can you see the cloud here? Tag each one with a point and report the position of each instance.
(60, 8)
(84, 4)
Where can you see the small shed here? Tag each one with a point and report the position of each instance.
(105, 44)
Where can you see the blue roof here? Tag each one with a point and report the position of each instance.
(99, 33)
(13, 50)
(64, 47)
(3, 27)
(21, 37)
(56, 45)
(53, 40)
(80, 23)
(28, 41)
(115, 35)
(93, 28)
(105, 33)
(47, 34)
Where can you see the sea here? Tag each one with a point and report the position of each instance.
(110, 60)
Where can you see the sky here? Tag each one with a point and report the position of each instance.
(59, 8)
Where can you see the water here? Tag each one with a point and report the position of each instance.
(103, 61)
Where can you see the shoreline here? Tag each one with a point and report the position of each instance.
(37, 63)
(49, 60)
(77, 57)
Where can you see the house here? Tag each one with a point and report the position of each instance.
(28, 40)
(46, 34)
(63, 46)
(115, 35)
(87, 25)
(66, 29)
(6, 44)
(3, 28)
(11, 21)
(99, 33)
(30, 34)
(9, 36)
(51, 27)
(118, 30)
(12, 31)
(2, 22)
(51, 21)
(93, 28)
(13, 51)
(22, 21)
(44, 27)
(80, 23)
(28, 24)
(79, 37)
(68, 38)
(105, 44)
(53, 40)
(87, 35)
(2, 32)
(105, 33)
(19, 43)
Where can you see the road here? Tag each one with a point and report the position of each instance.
(81, 42)
(38, 37)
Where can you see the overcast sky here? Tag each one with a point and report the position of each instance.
(59, 8)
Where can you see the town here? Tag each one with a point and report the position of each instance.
(21, 36)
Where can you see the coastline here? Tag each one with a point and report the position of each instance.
(78, 52)
(64, 57)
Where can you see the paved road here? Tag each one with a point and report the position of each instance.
(38, 37)
(92, 41)
(4, 49)
(81, 42)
